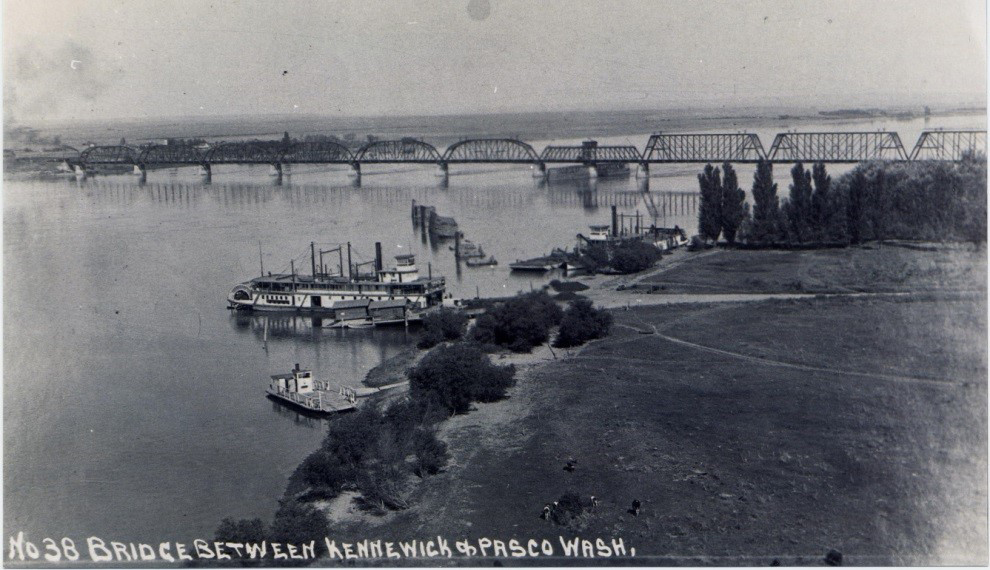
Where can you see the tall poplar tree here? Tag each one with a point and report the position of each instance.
(821, 201)
(734, 206)
(798, 209)
(710, 208)
(856, 205)
(766, 204)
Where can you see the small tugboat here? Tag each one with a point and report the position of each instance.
(481, 262)
(298, 388)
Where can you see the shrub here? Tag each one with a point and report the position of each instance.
(324, 473)
(520, 323)
(582, 322)
(381, 479)
(431, 452)
(569, 507)
(440, 326)
(297, 523)
(346, 439)
(454, 376)
(634, 256)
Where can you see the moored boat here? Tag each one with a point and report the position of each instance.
(481, 262)
(442, 226)
(466, 249)
(298, 388)
(540, 264)
(343, 297)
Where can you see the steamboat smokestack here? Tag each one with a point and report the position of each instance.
(378, 257)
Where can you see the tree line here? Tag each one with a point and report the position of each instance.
(930, 201)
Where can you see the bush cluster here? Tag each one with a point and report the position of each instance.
(628, 256)
(440, 326)
(520, 323)
(455, 376)
(634, 256)
(582, 322)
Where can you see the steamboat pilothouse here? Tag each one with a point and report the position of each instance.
(383, 293)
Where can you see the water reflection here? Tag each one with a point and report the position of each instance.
(297, 416)
(274, 328)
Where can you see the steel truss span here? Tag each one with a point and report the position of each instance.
(169, 154)
(316, 153)
(240, 153)
(398, 151)
(837, 147)
(109, 155)
(949, 145)
(491, 150)
(593, 154)
(715, 147)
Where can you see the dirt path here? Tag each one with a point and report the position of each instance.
(776, 363)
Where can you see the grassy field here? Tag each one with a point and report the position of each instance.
(887, 267)
(750, 432)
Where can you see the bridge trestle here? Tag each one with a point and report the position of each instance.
(949, 145)
(704, 147)
(829, 147)
(837, 147)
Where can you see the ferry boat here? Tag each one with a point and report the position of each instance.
(299, 388)
(335, 293)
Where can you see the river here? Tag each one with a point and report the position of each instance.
(133, 400)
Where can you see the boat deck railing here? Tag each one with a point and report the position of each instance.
(320, 399)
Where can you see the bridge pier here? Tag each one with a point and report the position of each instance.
(275, 170)
(355, 171)
(539, 170)
(592, 172)
(442, 170)
(643, 170)
(141, 171)
(205, 171)
(79, 170)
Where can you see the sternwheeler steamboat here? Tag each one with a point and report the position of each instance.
(385, 289)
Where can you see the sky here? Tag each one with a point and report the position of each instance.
(104, 59)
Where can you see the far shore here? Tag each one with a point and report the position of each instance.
(448, 129)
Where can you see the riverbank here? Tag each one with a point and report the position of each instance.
(749, 432)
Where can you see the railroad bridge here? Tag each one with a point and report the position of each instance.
(661, 148)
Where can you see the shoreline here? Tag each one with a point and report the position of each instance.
(499, 435)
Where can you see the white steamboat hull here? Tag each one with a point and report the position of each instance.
(314, 300)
